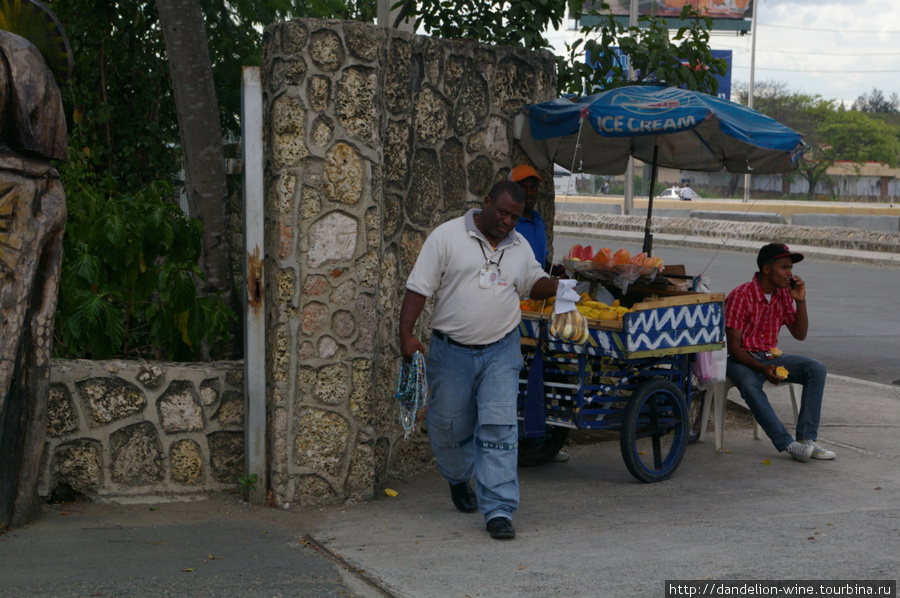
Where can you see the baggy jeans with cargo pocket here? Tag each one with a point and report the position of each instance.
(472, 418)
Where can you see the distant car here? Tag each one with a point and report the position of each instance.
(670, 193)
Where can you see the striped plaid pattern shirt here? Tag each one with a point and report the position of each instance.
(747, 310)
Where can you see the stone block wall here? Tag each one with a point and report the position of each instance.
(119, 428)
(373, 138)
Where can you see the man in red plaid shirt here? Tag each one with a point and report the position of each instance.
(754, 314)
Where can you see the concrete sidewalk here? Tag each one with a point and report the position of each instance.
(585, 527)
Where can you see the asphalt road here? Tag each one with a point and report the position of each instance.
(853, 329)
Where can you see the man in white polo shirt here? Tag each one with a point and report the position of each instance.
(478, 268)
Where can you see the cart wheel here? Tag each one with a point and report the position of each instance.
(654, 430)
(537, 451)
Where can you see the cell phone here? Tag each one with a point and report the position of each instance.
(793, 283)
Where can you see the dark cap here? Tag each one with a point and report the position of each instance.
(774, 251)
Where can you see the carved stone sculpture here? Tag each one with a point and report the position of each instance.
(32, 222)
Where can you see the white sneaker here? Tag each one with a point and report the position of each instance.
(561, 457)
(800, 452)
(818, 451)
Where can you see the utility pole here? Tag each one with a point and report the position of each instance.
(628, 200)
(750, 90)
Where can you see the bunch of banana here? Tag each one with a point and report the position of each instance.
(570, 326)
(597, 310)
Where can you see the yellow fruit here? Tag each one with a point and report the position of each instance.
(781, 372)
(776, 352)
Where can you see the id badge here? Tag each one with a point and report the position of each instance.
(486, 278)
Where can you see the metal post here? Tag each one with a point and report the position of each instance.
(648, 236)
(750, 90)
(628, 200)
(254, 306)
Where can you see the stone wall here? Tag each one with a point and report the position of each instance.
(373, 138)
(118, 428)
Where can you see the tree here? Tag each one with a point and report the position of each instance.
(875, 102)
(648, 46)
(119, 102)
(202, 147)
(141, 69)
(651, 52)
(832, 133)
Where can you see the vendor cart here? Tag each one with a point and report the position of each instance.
(635, 377)
(632, 376)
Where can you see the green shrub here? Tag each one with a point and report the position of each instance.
(128, 280)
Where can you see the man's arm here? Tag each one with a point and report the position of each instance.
(800, 326)
(544, 288)
(733, 337)
(413, 304)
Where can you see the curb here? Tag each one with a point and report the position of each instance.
(838, 244)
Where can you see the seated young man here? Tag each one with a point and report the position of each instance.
(754, 313)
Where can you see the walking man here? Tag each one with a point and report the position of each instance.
(477, 269)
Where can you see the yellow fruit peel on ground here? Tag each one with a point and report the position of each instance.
(390, 492)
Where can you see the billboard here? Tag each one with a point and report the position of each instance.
(724, 80)
(717, 9)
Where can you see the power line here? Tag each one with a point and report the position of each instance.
(866, 31)
(831, 53)
(816, 71)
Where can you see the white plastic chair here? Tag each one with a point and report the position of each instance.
(719, 396)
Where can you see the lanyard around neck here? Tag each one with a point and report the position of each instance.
(489, 262)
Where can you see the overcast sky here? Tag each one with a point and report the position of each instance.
(837, 49)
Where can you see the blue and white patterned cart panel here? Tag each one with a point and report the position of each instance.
(650, 331)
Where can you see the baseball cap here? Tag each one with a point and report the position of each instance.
(776, 250)
(523, 171)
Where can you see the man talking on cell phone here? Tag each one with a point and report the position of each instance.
(754, 313)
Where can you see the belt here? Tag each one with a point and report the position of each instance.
(444, 337)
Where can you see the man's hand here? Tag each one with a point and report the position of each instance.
(798, 289)
(413, 303)
(770, 374)
(800, 325)
(408, 347)
(558, 271)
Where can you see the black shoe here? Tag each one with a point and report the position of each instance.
(463, 497)
(501, 528)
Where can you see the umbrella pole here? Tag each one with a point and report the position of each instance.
(648, 238)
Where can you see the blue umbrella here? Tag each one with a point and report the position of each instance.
(662, 126)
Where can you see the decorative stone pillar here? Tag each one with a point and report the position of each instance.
(374, 137)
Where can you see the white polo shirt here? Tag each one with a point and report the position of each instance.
(471, 308)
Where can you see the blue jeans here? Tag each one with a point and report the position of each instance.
(472, 418)
(801, 370)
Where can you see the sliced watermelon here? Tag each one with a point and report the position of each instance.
(576, 252)
(587, 254)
